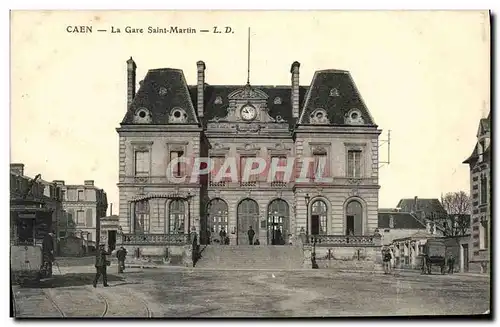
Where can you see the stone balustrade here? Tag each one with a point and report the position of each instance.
(155, 239)
(344, 240)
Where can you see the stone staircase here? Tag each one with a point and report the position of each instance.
(251, 257)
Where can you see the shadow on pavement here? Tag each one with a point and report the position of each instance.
(68, 280)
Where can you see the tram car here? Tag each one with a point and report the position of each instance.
(433, 254)
(31, 247)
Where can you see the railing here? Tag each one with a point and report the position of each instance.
(278, 184)
(217, 184)
(248, 184)
(177, 239)
(342, 240)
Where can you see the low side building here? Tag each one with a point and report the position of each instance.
(85, 204)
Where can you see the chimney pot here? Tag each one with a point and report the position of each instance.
(295, 89)
(200, 88)
(89, 182)
(131, 68)
(59, 182)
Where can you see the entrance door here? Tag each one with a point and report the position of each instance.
(278, 222)
(350, 225)
(111, 240)
(465, 248)
(314, 224)
(248, 215)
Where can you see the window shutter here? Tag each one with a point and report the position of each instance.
(89, 219)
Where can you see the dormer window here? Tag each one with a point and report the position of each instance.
(277, 100)
(334, 92)
(142, 116)
(319, 116)
(353, 117)
(177, 116)
(218, 100)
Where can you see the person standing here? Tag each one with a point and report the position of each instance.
(48, 253)
(121, 254)
(387, 261)
(222, 235)
(251, 234)
(101, 265)
(451, 263)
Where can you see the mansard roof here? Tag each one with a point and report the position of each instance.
(216, 99)
(164, 90)
(161, 91)
(334, 91)
(428, 206)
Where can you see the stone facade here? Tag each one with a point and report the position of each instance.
(326, 119)
(478, 250)
(84, 205)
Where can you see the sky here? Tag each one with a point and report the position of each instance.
(425, 76)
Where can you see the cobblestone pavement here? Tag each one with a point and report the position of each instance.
(186, 292)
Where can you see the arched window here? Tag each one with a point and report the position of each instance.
(217, 216)
(141, 217)
(319, 214)
(278, 222)
(177, 214)
(354, 218)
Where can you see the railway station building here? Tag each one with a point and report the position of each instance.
(324, 127)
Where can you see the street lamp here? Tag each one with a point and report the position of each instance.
(307, 198)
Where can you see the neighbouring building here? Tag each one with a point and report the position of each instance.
(394, 224)
(46, 192)
(480, 189)
(431, 209)
(85, 204)
(168, 118)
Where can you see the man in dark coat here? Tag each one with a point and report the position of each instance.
(121, 255)
(451, 263)
(48, 252)
(222, 235)
(251, 234)
(101, 265)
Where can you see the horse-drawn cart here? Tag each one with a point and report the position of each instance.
(433, 254)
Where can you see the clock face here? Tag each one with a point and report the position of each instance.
(248, 113)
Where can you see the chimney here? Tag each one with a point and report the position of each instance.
(17, 168)
(416, 204)
(295, 89)
(111, 209)
(131, 67)
(58, 182)
(89, 182)
(201, 87)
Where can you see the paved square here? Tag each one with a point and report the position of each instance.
(210, 293)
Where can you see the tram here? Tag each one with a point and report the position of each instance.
(30, 225)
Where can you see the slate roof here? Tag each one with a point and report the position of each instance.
(336, 107)
(164, 89)
(212, 109)
(148, 96)
(402, 220)
(425, 205)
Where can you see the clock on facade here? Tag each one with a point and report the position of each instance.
(248, 113)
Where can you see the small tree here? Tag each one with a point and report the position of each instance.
(457, 205)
